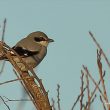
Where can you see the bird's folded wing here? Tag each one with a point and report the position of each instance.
(24, 52)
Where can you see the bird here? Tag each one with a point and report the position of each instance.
(33, 48)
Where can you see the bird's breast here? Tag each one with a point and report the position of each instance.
(41, 53)
(34, 60)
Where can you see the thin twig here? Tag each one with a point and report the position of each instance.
(102, 103)
(5, 103)
(78, 98)
(53, 104)
(98, 45)
(4, 28)
(13, 80)
(16, 99)
(88, 91)
(58, 96)
(92, 94)
(2, 68)
(3, 35)
(93, 99)
(101, 76)
(81, 89)
(97, 86)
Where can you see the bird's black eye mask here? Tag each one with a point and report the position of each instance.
(39, 39)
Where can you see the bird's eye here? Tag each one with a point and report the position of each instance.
(38, 39)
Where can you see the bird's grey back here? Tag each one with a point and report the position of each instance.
(28, 44)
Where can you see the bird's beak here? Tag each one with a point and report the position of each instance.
(50, 40)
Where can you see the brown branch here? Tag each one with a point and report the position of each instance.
(98, 45)
(40, 98)
(81, 89)
(88, 91)
(78, 99)
(53, 104)
(97, 86)
(101, 76)
(5, 103)
(15, 99)
(3, 35)
(21, 105)
(93, 93)
(13, 80)
(93, 99)
(24, 66)
(27, 91)
(102, 103)
(58, 96)
(87, 72)
(4, 28)
(2, 68)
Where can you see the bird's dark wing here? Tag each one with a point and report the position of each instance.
(23, 52)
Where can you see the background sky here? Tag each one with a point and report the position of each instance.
(68, 23)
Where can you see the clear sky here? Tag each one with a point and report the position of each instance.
(68, 23)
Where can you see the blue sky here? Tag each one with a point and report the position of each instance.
(68, 23)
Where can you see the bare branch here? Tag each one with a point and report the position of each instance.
(13, 80)
(101, 76)
(3, 35)
(58, 96)
(81, 89)
(38, 95)
(5, 103)
(16, 99)
(98, 45)
(53, 104)
(102, 103)
(97, 86)
(78, 99)
(4, 28)
(88, 91)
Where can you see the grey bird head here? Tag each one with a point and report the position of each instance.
(40, 38)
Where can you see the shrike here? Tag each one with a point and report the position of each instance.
(33, 48)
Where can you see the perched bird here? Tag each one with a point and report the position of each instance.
(33, 48)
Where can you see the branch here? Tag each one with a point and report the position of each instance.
(38, 95)
(101, 76)
(4, 28)
(53, 104)
(98, 45)
(13, 80)
(88, 91)
(16, 99)
(102, 103)
(97, 86)
(81, 89)
(78, 99)
(5, 103)
(3, 35)
(58, 96)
